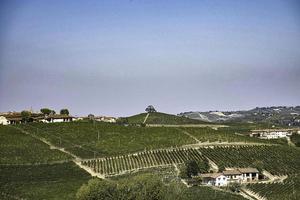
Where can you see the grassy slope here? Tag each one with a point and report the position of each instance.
(113, 139)
(58, 181)
(162, 118)
(18, 148)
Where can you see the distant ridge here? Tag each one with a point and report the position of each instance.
(283, 115)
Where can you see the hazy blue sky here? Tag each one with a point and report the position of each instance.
(116, 57)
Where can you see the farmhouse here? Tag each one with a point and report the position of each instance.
(3, 120)
(215, 179)
(105, 119)
(271, 133)
(59, 118)
(239, 175)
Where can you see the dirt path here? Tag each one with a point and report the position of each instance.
(144, 122)
(190, 135)
(213, 166)
(251, 194)
(272, 178)
(290, 142)
(177, 173)
(225, 144)
(187, 125)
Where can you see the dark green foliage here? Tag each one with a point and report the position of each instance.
(150, 109)
(46, 111)
(25, 115)
(295, 138)
(145, 187)
(192, 169)
(149, 187)
(64, 111)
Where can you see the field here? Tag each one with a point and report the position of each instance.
(162, 118)
(18, 148)
(56, 181)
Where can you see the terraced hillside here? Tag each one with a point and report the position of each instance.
(88, 140)
(162, 118)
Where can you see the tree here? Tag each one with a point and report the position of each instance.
(91, 117)
(25, 115)
(192, 168)
(150, 109)
(64, 111)
(46, 111)
(97, 189)
(52, 112)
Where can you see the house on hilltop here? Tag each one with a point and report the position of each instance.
(271, 133)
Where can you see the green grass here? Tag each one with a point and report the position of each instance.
(278, 160)
(81, 138)
(162, 118)
(18, 148)
(57, 181)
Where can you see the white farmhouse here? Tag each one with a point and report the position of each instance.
(238, 175)
(3, 120)
(59, 118)
(215, 179)
(271, 133)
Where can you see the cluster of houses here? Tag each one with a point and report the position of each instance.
(238, 175)
(273, 133)
(16, 118)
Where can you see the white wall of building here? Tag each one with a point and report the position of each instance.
(3, 120)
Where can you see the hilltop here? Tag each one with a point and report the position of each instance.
(162, 118)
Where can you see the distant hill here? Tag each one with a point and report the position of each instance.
(282, 115)
(162, 118)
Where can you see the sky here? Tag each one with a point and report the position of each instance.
(114, 58)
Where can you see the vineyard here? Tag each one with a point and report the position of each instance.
(278, 160)
(288, 189)
(88, 140)
(18, 148)
(162, 118)
(57, 181)
(121, 164)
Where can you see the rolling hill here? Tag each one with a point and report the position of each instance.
(163, 118)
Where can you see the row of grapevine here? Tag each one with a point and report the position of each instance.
(288, 189)
(119, 164)
(278, 160)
